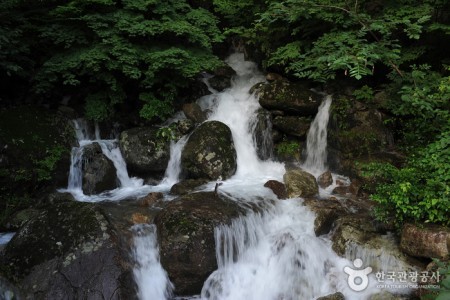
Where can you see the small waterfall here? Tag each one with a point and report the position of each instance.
(174, 166)
(316, 142)
(151, 279)
(111, 150)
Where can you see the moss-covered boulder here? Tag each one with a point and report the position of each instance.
(186, 237)
(300, 183)
(294, 98)
(144, 151)
(292, 125)
(209, 152)
(222, 78)
(194, 112)
(99, 173)
(68, 251)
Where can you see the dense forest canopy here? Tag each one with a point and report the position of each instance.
(108, 53)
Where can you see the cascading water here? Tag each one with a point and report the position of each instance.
(316, 141)
(151, 279)
(273, 254)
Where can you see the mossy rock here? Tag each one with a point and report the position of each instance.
(186, 237)
(292, 125)
(99, 173)
(293, 98)
(209, 153)
(300, 183)
(186, 186)
(144, 151)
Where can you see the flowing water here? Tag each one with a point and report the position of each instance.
(272, 254)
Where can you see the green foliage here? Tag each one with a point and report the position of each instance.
(45, 167)
(420, 191)
(364, 94)
(321, 39)
(443, 291)
(287, 148)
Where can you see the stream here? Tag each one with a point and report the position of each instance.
(270, 254)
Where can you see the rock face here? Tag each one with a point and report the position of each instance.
(294, 98)
(99, 173)
(327, 212)
(194, 112)
(209, 152)
(278, 188)
(296, 126)
(186, 237)
(300, 183)
(144, 152)
(430, 241)
(67, 252)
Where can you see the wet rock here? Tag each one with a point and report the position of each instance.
(99, 173)
(186, 186)
(144, 152)
(274, 77)
(295, 126)
(278, 188)
(186, 237)
(138, 218)
(325, 180)
(21, 217)
(185, 126)
(388, 296)
(209, 152)
(355, 236)
(294, 98)
(262, 134)
(431, 241)
(67, 252)
(222, 78)
(150, 199)
(348, 190)
(300, 183)
(327, 212)
(194, 112)
(335, 296)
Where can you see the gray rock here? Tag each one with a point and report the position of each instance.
(68, 252)
(335, 296)
(186, 237)
(300, 183)
(262, 134)
(294, 98)
(209, 152)
(296, 126)
(186, 186)
(144, 152)
(194, 112)
(325, 179)
(99, 173)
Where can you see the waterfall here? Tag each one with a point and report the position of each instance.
(151, 279)
(316, 142)
(174, 166)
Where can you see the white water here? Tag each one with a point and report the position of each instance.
(271, 255)
(151, 279)
(316, 141)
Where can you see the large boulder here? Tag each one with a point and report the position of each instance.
(430, 241)
(99, 173)
(209, 152)
(186, 237)
(300, 183)
(296, 126)
(68, 251)
(144, 151)
(262, 134)
(294, 98)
